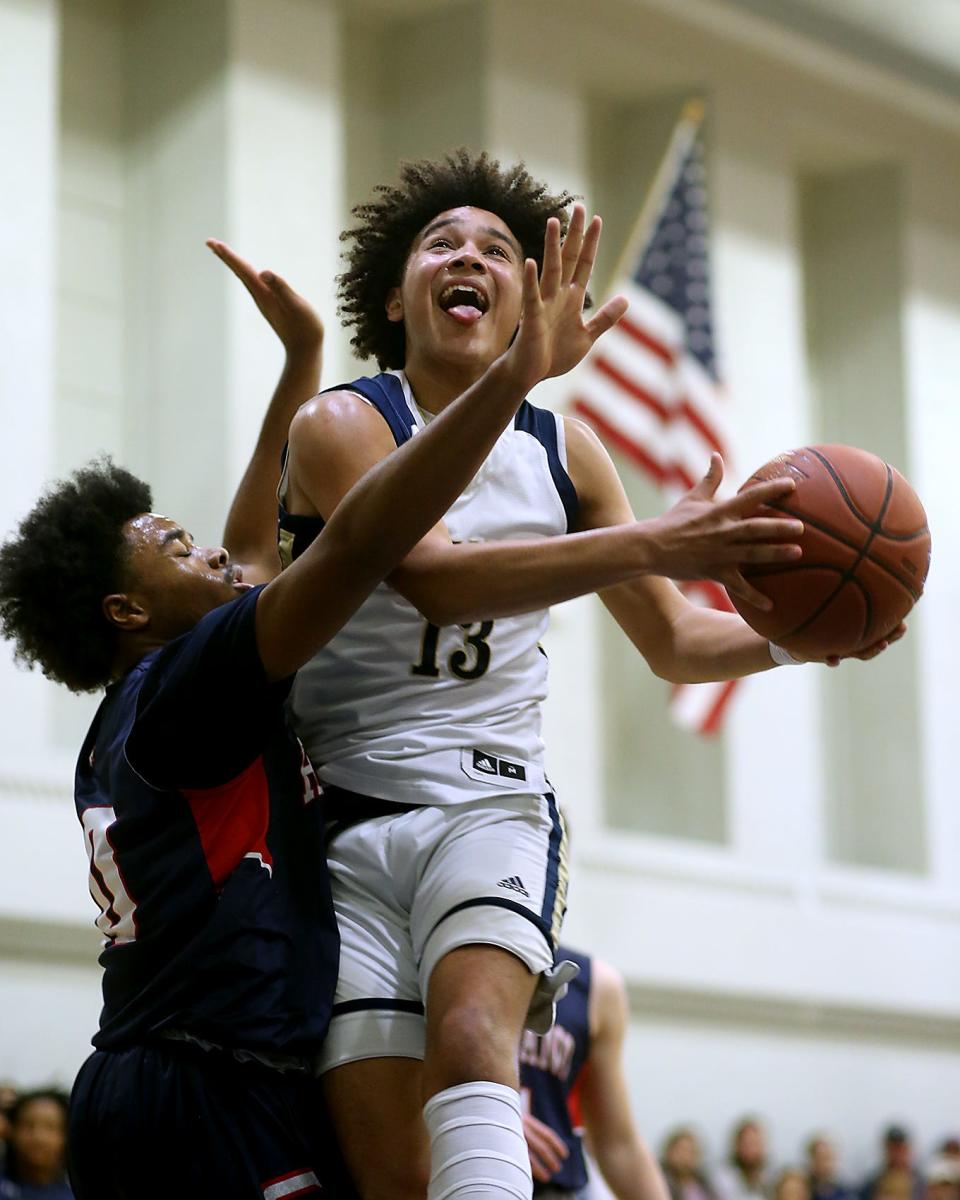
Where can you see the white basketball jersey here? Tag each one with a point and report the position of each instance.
(399, 709)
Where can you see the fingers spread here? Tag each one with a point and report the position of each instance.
(707, 487)
(588, 255)
(573, 243)
(606, 317)
(760, 493)
(552, 275)
(768, 529)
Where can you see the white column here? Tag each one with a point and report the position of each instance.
(29, 31)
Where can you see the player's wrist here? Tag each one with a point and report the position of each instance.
(782, 657)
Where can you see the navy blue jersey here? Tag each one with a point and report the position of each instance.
(202, 820)
(550, 1066)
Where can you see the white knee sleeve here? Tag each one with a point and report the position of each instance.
(477, 1147)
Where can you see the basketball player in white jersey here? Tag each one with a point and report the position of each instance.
(423, 716)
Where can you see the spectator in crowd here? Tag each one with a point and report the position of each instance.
(897, 1176)
(822, 1170)
(36, 1158)
(744, 1176)
(8, 1097)
(792, 1184)
(681, 1162)
(949, 1148)
(943, 1178)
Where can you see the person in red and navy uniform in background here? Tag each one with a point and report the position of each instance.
(201, 815)
(573, 1089)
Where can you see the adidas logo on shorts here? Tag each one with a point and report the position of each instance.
(515, 884)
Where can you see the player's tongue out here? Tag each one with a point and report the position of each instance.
(464, 303)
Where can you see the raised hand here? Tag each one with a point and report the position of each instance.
(701, 538)
(553, 336)
(292, 318)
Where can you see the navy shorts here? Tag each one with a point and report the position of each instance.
(161, 1121)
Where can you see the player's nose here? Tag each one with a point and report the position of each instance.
(216, 557)
(467, 259)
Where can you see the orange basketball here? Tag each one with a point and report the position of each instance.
(866, 552)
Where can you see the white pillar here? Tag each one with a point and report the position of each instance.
(29, 31)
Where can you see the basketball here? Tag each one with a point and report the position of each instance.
(866, 552)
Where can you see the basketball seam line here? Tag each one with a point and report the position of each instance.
(838, 537)
(849, 576)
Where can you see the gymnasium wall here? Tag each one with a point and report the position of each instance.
(784, 902)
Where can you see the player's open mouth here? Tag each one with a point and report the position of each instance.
(235, 579)
(464, 302)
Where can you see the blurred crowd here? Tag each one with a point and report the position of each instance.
(33, 1136)
(33, 1145)
(747, 1173)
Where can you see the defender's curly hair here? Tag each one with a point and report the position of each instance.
(68, 554)
(388, 224)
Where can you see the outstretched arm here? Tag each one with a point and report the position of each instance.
(250, 533)
(397, 502)
(623, 1156)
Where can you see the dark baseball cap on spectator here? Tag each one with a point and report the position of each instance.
(895, 1135)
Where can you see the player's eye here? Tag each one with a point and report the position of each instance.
(499, 252)
(441, 243)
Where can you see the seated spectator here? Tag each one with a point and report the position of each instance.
(36, 1158)
(681, 1163)
(943, 1178)
(822, 1170)
(8, 1097)
(897, 1178)
(744, 1176)
(792, 1184)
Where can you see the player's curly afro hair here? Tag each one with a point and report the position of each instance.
(68, 554)
(387, 225)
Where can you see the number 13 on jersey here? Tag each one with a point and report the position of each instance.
(469, 661)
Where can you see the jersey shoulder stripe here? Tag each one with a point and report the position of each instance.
(547, 428)
(386, 393)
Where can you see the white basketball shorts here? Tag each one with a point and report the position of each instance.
(410, 887)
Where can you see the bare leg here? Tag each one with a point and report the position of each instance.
(377, 1108)
(477, 1002)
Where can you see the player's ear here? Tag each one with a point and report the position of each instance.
(394, 305)
(124, 612)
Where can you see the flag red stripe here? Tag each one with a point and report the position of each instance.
(629, 447)
(632, 329)
(633, 389)
(711, 722)
(696, 420)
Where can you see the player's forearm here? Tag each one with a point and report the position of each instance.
(630, 1170)
(250, 532)
(457, 584)
(710, 645)
(631, 1174)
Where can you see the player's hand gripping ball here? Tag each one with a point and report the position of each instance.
(866, 553)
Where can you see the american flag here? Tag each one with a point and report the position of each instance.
(650, 387)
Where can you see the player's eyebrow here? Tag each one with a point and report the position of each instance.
(488, 229)
(174, 535)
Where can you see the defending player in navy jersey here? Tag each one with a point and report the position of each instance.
(199, 809)
(448, 861)
(572, 1083)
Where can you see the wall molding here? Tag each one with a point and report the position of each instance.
(794, 1017)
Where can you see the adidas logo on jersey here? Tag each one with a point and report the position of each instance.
(490, 765)
(515, 884)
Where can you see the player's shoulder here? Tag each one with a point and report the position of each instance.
(608, 999)
(335, 418)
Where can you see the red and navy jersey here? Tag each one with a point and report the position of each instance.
(549, 1071)
(202, 821)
